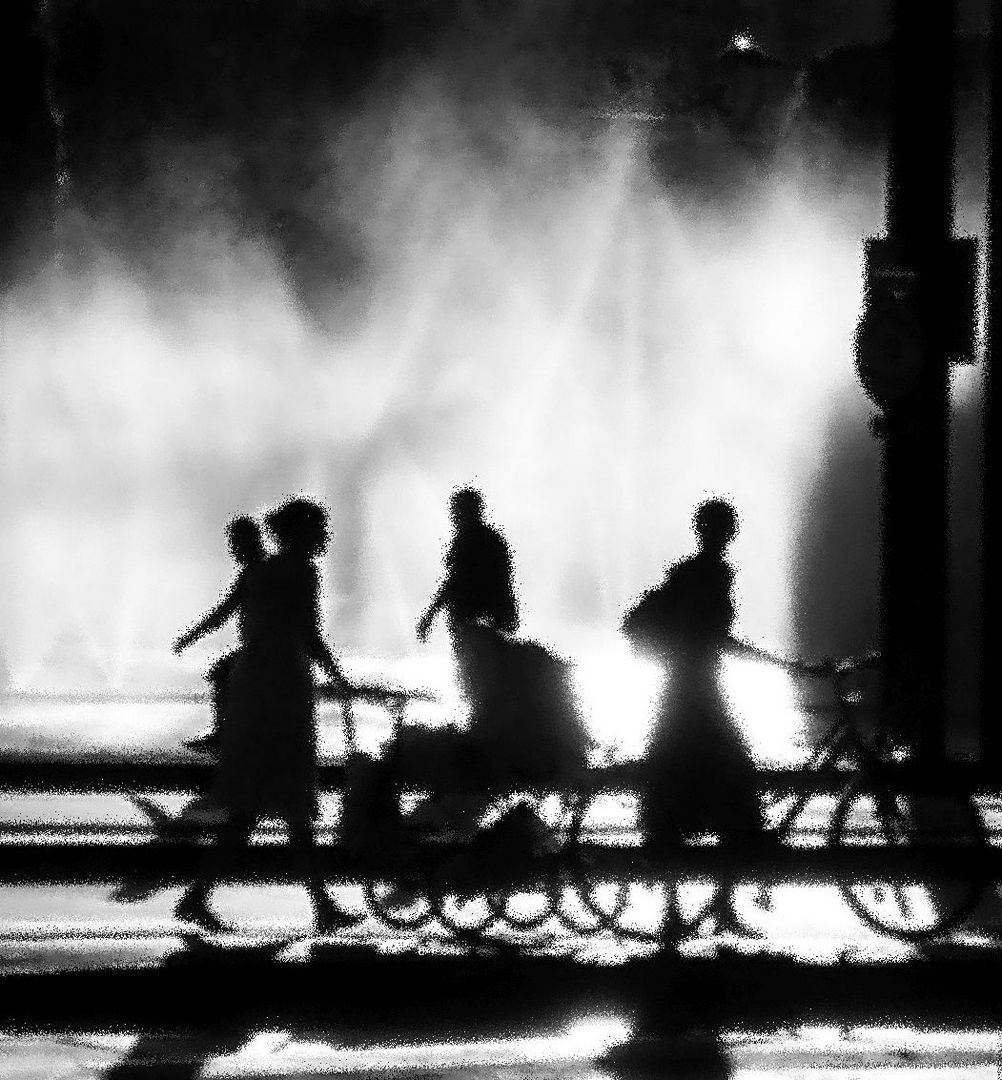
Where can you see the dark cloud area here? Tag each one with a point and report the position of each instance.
(257, 87)
(131, 77)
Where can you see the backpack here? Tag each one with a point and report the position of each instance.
(692, 605)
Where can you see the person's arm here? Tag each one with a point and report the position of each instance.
(317, 649)
(216, 618)
(320, 653)
(436, 605)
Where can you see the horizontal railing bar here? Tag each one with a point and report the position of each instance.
(173, 863)
(378, 693)
(121, 773)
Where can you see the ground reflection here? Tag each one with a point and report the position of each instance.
(183, 1055)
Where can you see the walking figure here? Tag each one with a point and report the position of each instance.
(526, 728)
(267, 744)
(247, 550)
(700, 773)
(477, 590)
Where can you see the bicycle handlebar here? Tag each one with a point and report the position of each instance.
(347, 692)
(829, 666)
(825, 668)
(745, 648)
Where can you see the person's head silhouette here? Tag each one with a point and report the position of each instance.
(244, 536)
(716, 525)
(466, 507)
(299, 526)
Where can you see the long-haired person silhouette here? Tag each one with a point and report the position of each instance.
(247, 549)
(700, 773)
(267, 752)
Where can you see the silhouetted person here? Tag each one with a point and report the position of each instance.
(267, 751)
(525, 727)
(700, 774)
(247, 549)
(477, 589)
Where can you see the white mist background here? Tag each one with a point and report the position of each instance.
(552, 325)
(538, 316)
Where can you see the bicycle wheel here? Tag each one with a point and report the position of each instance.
(693, 909)
(402, 906)
(589, 907)
(688, 910)
(465, 914)
(931, 903)
(505, 873)
(586, 903)
(529, 908)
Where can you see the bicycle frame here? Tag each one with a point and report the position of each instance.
(842, 741)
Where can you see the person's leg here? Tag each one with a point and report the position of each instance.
(743, 830)
(193, 905)
(327, 915)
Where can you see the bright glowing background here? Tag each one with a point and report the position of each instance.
(595, 352)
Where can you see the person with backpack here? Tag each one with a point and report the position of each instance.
(700, 776)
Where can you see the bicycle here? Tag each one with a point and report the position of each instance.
(878, 802)
(201, 812)
(407, 876)
(886, 801)
(510, 855)
(410, 876)
(502, 859)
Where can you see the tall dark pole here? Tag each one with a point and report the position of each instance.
(916, 440)
(907, 338)
(991, 697)
(27, 141)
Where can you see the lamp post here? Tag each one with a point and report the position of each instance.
(991, 696)
(918, 318)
